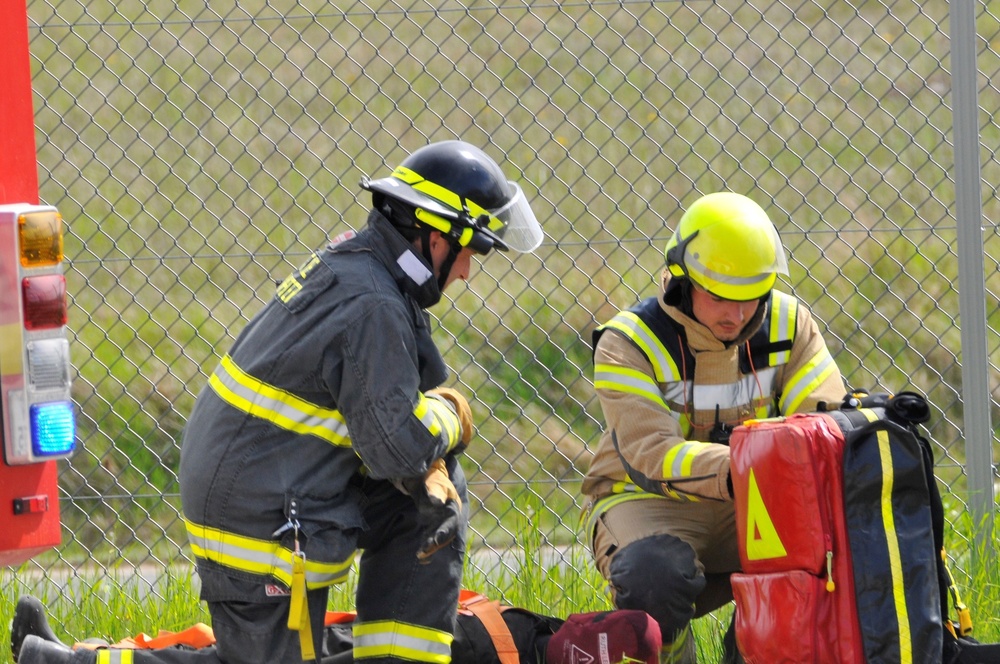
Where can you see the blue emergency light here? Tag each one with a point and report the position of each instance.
(53, 428)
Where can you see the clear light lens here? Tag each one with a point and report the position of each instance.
(53, 428)
(48, 364)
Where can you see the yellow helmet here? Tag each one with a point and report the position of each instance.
(726, 244)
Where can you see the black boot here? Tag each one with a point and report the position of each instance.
(36, 650)
(730, 652)
(29, 618)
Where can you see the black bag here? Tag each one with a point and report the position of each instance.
(966, 650)
(486, 632)
(895, 527)
(912, 463)
(481, 637)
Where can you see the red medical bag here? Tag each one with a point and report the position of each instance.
(840, 532)
(795, 597)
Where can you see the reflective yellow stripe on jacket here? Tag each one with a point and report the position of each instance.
(257, 556)
(388, 638)
(782, 325)
(439, 419)
(813, 373)
(283, 409)
(679, 458)
(806, 380)
(622, 492)
(114, 656)
(629, 324)
(625, 379)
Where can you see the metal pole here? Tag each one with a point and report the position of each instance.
(971, 276)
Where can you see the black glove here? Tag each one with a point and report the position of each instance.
(904, 407)
(910, 407)
(439, 507)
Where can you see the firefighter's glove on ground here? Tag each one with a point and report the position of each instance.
(439, 507)
(462, 409)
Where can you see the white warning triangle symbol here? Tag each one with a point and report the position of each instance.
(578, 656)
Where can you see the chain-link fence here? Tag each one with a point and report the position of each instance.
(199, 151)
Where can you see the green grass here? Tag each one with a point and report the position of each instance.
(112, 612)
(570, 584)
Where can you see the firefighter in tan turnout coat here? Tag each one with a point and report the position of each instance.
(674, 375)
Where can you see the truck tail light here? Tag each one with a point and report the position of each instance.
(38, 422)
(44, 299)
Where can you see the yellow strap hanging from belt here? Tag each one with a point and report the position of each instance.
(298, 613)
(964, 615)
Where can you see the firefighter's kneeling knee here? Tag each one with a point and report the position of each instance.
(658, 575)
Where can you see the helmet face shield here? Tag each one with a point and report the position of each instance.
(515, 223)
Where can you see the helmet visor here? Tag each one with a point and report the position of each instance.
(515, 223)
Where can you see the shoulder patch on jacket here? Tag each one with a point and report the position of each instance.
(301, 287)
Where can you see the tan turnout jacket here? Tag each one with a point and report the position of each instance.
(661, 375)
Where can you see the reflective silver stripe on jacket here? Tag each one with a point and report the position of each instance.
(283, 409)
(732, 395)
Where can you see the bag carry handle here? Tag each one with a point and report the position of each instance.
(907, 407)
(488, 613)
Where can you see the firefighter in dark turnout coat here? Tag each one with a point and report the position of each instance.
(324, 431)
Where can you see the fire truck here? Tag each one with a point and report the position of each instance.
(37, 417)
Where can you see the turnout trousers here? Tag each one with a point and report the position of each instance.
(670, 559)
(398, 598)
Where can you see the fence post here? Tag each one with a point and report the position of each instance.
(971, 276)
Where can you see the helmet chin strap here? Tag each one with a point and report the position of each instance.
(401, 216)
(453, 250)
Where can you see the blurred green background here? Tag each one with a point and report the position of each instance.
(199, 151)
